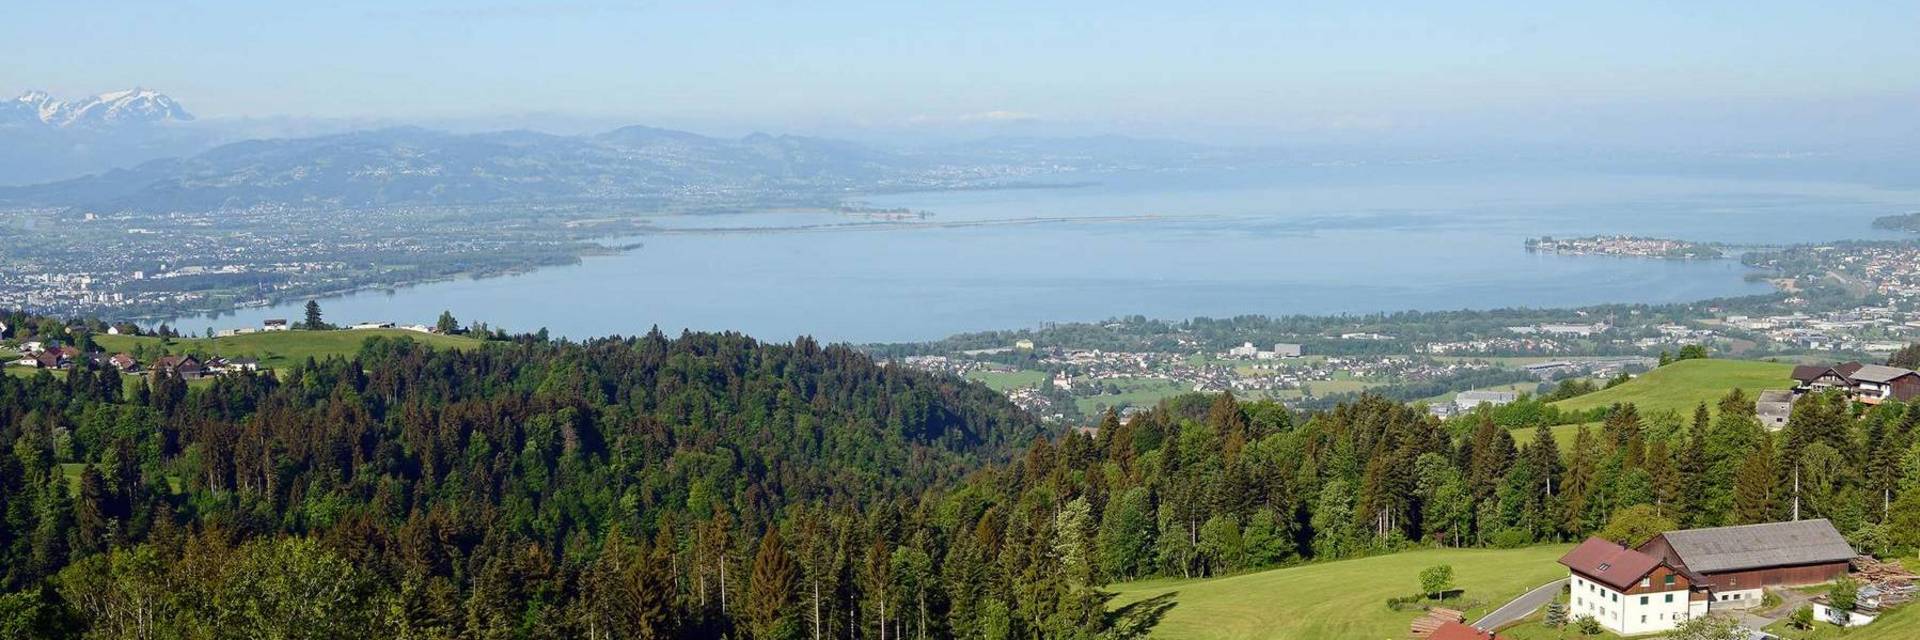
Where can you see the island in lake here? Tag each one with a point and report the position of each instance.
(1629, 246)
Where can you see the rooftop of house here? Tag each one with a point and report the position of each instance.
(1609, 563)
(1751, 546)
(1458, 631)
(1879, 373)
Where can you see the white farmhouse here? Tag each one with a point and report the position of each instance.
(1627, 591)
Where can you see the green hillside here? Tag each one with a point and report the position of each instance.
(283, 348)
(1345, 599)
(1683, 385)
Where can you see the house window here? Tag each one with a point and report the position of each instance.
(1643, 600)
(1646, 582)
(1643, 618)
(1669, 598)
(1669, 579)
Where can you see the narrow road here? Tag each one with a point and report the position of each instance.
(1522, 606)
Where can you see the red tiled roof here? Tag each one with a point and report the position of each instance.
(1456, 631)
(1609, 563)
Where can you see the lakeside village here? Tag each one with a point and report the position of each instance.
(64, 347)
(1833, 303)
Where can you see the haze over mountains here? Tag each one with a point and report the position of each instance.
(48, 138)
(418, 166)
(134, 150)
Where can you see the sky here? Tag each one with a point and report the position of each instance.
(1220, 71)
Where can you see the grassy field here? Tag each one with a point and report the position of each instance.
(283, 348)
(1004, 380)
(1336, 600)
(1682, 385)
(1138, 392)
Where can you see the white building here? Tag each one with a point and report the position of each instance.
(1628, 592)
(1287, 350)
(1246, 350)
(1466, 400)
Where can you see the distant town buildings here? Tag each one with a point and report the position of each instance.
(1466, 400)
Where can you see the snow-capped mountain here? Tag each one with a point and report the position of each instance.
(46, 138)
(133, 106)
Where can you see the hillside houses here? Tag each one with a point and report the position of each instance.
(1866, 383)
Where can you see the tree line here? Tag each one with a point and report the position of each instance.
(711, 486)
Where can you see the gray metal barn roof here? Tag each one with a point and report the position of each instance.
(1753, 546)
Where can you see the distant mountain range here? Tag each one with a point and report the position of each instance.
(44, 138)
(131, 107)
(403, 166)
(141, 150)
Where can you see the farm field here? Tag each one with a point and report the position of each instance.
(1003, 380)
(283, 348)
(1335, 600)
(1139, 392)
(1683, 385)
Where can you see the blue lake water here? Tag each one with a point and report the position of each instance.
(1255, 241)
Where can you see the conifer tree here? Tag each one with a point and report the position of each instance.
(775, 578)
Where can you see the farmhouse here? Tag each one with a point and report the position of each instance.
(1683, 574)
(1736, 563)
(1628, 591)
(1868, 383)
(187, 367)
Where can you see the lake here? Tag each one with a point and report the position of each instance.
(1163, 244)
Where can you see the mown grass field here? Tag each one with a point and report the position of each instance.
(1004, 380)
(1336, 600)
(1683, 385)
(283, 348)
(1138, 392)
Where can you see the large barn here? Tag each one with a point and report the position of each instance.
(1736, 563)
(1684, 574)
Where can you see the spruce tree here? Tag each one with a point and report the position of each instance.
(775, 578)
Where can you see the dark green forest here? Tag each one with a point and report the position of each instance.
(712, 486)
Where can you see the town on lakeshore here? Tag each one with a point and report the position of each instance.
(1614, 385)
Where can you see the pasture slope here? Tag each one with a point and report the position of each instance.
(276, 349)
(1685, 384)
(1340, 600)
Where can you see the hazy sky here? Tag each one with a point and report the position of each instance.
(1210, 69)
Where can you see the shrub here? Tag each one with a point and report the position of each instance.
(1436, 580)
(1802, 618)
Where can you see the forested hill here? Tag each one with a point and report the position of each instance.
(469, 486)
(713, 487)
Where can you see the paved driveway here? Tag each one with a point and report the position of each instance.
(1522, 606)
